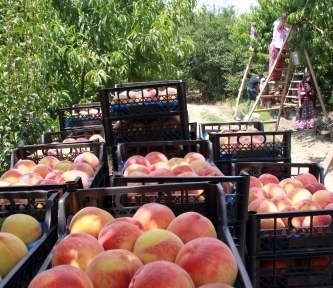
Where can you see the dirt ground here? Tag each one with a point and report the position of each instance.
(307, 146)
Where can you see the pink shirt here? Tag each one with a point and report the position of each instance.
(279, 34)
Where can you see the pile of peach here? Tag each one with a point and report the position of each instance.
(156, 164)
(303, 192)
(50, 170)
(154, 248)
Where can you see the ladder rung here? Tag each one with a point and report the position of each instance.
(276, 83)
(267, 96)
(290, 104)
(281, 69)
(267, 109)
(296, 81)
(269, 121)
(293, 89)
(292, 97)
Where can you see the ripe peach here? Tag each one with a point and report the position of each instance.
(132, 221)
(274, 190)
(156, 157)
(318, 220)
(81, 139)
(268, 178)
(62, 276)
(323, 197)
(4, 183)
(169, 274)
(212, 258)
(136, 167)
(63, 165)
(157, 244)
(255, 182)
(176, 161)
(76, 249)
(72, 175)
(298, 194)
(136, 159)
(187, 174)
(161, 172)
(329, 206)
(289, 184)
(262, 205)
(41, 169)
(12, 175)
(68, 140)
(190, 225)
(90, 220)
(307, 204)
(192, 156)
(306, 178)
(113, 268)
(30, 178)
(281, 202)
(216, 285)
(277, 265)
(154, 216)
(158, 165)
(136, 174)
(97, 136)
(23, 226)
(47, 182)
(49, 160)
(24, 165)
(313, 187)
(271, 223)
(208, 171)
(181, 169)
(257, 193)
(12, 250)
(119, 235)
(88, 157)
(54, 175)
(295, 221)
(84, 167)
(196, 164)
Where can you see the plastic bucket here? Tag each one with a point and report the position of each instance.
(268, 104)
(296, 57)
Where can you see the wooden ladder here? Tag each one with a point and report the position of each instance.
(291, 99)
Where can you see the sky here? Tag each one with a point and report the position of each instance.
(241, 6)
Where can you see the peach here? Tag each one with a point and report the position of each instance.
(72, 175)
(62, 276)
(329, 206)
(307, 204)
(161, 274)
(136, 174)
(187, 174)
(136, 167)
(136, 159)
(257, 193)
(268, 178)
(277, 266)
(262, 206)
(4, 183)
(24, 165)
(193, 194)
(63, 165)
(12, 250)
(23, 226)
(49, 160)
(271, 223)
(76, 249)
(84, 167)
(132, 221)
(161, 172)
(54, 175)
(158, 165)
(90, 220)
(154, 216)
(255, 182)
(68, 140)
(274, 190)
(41, 169)
(313, 187)
(208, 171)
(156, 157)
(113, 268)
(306, 178)
(119, 235)
(174, 162)
(216, 285)
(281, 202)
(298, 194)
(157, 244)
(30, 178)
(323, 197)
(181, 169)
(212, 258)
(88, 157)
(318, 220)
(97, 136)
(295, 221)
(48, 182)
(316, 261)
(190, 225)
(192, 156)
(81, 139)
(289, 184)
(12, 175)
(196, 164)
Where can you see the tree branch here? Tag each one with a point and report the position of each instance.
(323, 36)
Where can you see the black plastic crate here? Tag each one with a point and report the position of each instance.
(206, 128)
(85, 132)
(193, 130)
(251, 146)
(44, 207)
(65, 151)
(121, 204)
(292, 237)
(309, 269)
(80, 115)
(280, 170)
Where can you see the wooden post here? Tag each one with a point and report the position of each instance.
(328, 161)
(318, 92)
(242, 85)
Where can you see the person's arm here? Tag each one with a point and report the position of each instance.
(312, 91)
(300, 93)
